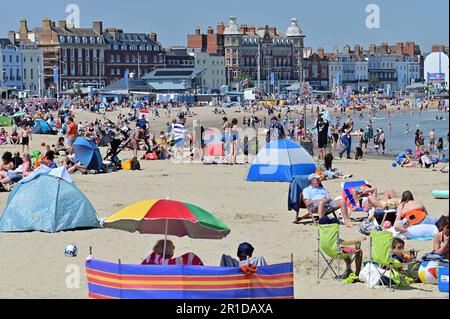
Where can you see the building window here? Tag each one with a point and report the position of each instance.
(111, 58)
(32, 74)
(118, 72)
(112, 72)
(24, 74)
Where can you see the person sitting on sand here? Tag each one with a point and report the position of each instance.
(60, 146)
(156, 257)
(245, 255)
(7, 162)
(404, 159)
(13, 176)
(440, 241)
(48, 158)
(316, 197)
(72, 164)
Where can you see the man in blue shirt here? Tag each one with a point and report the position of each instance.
(317, 197)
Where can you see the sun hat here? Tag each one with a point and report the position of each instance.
(313, 176)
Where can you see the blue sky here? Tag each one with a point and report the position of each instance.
(326, 23)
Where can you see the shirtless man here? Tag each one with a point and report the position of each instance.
(26, 136)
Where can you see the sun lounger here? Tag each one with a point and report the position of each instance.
(381, 215)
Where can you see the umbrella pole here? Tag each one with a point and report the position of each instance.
(165, 239)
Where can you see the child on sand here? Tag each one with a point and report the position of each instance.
(26, 136)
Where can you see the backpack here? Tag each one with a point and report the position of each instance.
(135, 165)
(367, 226)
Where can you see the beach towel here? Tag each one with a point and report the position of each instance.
(186, 259)
(298, 183)
(228, 261)
(417, 232)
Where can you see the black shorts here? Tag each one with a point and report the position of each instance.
(323, 141)
(25, 140)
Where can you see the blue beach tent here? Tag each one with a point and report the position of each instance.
(42, 127)
(49, 204)
(279, 161)
(88, 154)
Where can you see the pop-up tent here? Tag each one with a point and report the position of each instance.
(42, 127)
(47, 203)
(88, 154)
(5, 121)
(279, 161)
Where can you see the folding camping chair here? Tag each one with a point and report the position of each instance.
(381, 254)
(380, 214)
(329, 246)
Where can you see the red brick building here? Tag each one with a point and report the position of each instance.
(140, 53)
(211, 42)
(78, 53)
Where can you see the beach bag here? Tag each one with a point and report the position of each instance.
(413, 271)
(396, 278)
(126, 165)
(371, 275)
(151, 157)
(367, 226)
(135, 165)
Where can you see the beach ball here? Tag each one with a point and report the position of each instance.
(71, 251)
(394, 164)
(428, 272)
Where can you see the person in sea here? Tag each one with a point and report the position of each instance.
(156, 257)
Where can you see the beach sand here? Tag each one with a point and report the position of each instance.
(34, 266)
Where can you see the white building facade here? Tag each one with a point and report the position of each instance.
(10, 65)
(345, 71)
(33, 69)
(215, 76)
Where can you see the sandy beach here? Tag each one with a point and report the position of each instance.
(34, 266)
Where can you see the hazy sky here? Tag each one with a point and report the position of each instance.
(326, 23)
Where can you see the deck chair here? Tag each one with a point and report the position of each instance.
(381, 215)
(381, 254)
(314, 214)
(330, 249)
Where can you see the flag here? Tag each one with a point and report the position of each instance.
(127, 77)
(55, 75)
(336, 79)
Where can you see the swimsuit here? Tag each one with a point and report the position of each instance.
(415, 216)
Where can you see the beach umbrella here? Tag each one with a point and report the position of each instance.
(168, 217)
(279, 161)
(18, 114)
(88, 154)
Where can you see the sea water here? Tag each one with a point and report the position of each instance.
(397, 140)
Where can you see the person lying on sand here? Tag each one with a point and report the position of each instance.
(326, 170)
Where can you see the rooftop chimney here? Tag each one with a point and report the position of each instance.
(399, 48)
(372, 49)
(154, 37)
(385, 47)
(347, 49)
(62, 24)
(12, 37)
(46, 24)
(409, 48)
(98, 27)
(197, 31)
(23, 26)
(210, 30)
(335, 50)
(358, 50)
(321, 53)
(220, 28)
